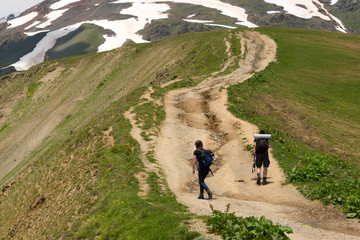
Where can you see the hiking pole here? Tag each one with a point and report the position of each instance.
(253, 167)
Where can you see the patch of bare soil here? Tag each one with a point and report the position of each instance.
(201, 113)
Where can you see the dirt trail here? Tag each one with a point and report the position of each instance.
(200, 113)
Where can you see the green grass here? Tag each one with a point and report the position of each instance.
(71, 185)
(308, 100)
(229, 226)
(84, 40)
(32, 88)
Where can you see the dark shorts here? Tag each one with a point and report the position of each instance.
(262, 159)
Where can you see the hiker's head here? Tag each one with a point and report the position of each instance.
(199, 144)
(262, 132)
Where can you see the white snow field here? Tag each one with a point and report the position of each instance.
(225, 8)
(52, 16)
(22, 20)
(307, 9)
(62, 3)
(123, 29)
(38, 54)
(144, 11)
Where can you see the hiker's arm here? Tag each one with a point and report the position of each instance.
(194, 163)
(254, 147)
(269, 143)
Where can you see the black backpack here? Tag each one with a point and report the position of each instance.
(261, 145)
(206, 158)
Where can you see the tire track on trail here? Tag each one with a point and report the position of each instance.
(201, 113)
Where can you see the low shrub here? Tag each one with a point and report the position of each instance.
(229, 226)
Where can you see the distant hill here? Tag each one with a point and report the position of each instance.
(56, 29)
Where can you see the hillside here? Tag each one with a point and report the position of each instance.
(86, 144)
(64, 28)
(53, 124)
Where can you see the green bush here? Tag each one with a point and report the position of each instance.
(230, 226)
(329, 179)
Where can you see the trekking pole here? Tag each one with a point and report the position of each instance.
(253, 167)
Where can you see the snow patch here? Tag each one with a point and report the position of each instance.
(197, 21)
(333, 2)
(300, 8)
(123, 29)
(307, 9)
(38, 54)
(225, 8)
(22, 20)
(147, 11)
(62, 3)
(34, 33)
(220, 25)
(272, 12)
(52, 16)
(32, 25)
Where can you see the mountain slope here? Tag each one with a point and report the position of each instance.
(136, 21)
(62, 122)
(80, 170)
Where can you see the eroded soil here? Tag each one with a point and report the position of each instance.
(201, 113)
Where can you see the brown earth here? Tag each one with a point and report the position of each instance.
(201, 113)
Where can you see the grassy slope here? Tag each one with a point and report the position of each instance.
(84, 40)
(75, 186)
(309, 100)
(12, 51)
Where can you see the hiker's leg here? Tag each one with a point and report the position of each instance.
(266, 164)
(258, 164)
(265, 172)
(202, 175)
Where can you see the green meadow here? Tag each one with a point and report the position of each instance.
(75, 186)
(309, 101)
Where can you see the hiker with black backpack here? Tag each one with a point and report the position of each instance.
(261, 156)
(204, 159)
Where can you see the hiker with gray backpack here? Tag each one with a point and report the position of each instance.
(204, 159)
(261, 155)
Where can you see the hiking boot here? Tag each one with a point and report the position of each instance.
(210, 195)
(258, 181)
(201, 196)
(264, 181)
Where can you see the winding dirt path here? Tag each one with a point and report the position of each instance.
(201, 113)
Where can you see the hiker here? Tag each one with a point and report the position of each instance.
(261, 157)
(202, 170)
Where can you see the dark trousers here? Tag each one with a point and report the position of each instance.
(203, 172)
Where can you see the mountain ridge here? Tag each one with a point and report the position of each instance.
(126, 20)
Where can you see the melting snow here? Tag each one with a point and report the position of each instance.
(144, 11)
(333, 2)
(306, 9)
(62, 3)
(296, 8)
(34, 33)
(220, 25)
(38, 54)
(123, 29)
(22, 20)
(52, 16)
(272, 12)
(225, 8)
(197, 21)
(32, 25)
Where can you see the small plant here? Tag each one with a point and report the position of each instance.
(32, 88)
(229, 226)
(249, 147)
